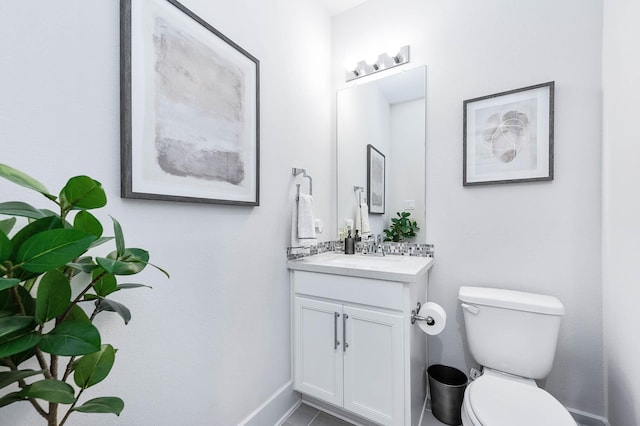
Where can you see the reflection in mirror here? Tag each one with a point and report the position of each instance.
(390, 114)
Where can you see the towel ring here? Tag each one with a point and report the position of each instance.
(295, 172)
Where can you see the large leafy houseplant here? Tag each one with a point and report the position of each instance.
(401, 228)
(46, 275)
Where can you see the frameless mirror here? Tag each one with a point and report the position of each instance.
(389, 114)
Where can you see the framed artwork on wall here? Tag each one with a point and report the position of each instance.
(508, 136)
(375, 180)
(190, 110)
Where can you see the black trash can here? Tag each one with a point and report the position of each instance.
(447, 385)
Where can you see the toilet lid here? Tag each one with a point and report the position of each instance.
(499, 401)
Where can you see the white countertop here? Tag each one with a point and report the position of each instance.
(389, 267)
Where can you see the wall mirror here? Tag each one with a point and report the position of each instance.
(389, 114)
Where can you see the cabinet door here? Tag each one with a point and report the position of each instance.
(318, 349)
(373, 365)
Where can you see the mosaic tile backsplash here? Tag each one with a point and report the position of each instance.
(396, 249)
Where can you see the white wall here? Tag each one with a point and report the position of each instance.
(406, 158)
(366, 121)
(211, 345)
(621, 210)
(541, 237)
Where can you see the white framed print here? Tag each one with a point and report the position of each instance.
(508, 136)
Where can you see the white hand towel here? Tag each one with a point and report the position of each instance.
(358, 224)
(364, 218)
(306, 222)
(303, 232)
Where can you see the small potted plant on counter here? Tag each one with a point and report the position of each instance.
(402, 228)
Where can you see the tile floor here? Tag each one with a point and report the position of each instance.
(306, 415)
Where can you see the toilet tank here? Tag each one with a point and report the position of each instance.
(511, 331)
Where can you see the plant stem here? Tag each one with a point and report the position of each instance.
(18, 300)
(43, 363)
(53, 414)
(79, 297)
(68, 413)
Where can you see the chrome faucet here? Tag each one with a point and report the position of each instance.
(377, 248)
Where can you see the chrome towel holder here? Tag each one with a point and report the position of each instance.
(295, 172)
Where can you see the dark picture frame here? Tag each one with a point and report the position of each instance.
(508, 136)
(376, 176)
(190, 108)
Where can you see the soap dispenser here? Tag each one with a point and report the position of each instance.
(349, 244)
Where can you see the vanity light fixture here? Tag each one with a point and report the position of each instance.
(384, 62)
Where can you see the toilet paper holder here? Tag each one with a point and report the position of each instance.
(415, 317)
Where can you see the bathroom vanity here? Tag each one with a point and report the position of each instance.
(354, 346)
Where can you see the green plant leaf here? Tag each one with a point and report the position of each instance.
(50, 390)
(77, 314)
(6, 247)
(19, 342)
(71, 338)
(117, 230)
(105, 285)
(19, 358)
(84, 264)
(28, 284)
(52, 249)
(6, 283)
(10, 398)
(12, 324)
(34, 228)
(127, 286)
(87, 223)
(113, 306)
(7, 302)
(9, 377)
(100, 241)
(18, 208)
(54, 295)
(82, 192)
(7, 225)
(105, 404)
(89, 297)
(131, 262)
(22, 179)
(93, 368)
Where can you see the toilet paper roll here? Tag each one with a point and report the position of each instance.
(438, 314)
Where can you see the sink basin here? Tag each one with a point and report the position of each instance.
(389, 267)
(360, 261)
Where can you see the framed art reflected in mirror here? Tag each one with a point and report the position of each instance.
(375, 180)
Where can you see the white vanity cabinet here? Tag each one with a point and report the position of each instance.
(354, 346)
(349, 356)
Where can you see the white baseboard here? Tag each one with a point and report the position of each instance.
(284, 400)
(588, 419)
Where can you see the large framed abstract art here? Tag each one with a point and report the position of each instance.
(508, 136)
(189, 108)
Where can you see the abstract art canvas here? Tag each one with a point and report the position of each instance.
(508, 136)
(375, 180)
(190, 108)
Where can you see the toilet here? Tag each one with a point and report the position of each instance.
(513, 335)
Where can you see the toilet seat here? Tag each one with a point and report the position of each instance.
(491, 400)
